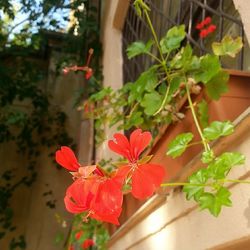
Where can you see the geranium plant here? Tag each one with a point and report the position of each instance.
(150, 103)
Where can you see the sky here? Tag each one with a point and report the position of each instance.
(20, 17)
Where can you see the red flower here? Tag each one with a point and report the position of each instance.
(71, 247)
(100, 196)
(87, 243)
(146, 178)
(78, 235)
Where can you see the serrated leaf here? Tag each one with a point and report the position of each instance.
(151, 102)
(179, 144)
(218, 129)
(197, 189)
(209, 67)
(214, 202)
(182, 59)
(138, 48)
(224, 163)
(228, 46)
(172, 40)
(203, 113)
(217, 85)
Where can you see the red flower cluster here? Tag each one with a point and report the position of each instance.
(206, 27)
(86, 68)
(100, 195)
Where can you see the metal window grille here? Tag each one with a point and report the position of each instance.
(167, 13)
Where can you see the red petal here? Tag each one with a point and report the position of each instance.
(146, 179)
(211, 28)
(108, 198)
(79, 195)
(199, 26)
(111, 218)
(120, 145)
(203, 33)
(87, 243)
(78, 235)
(66, 158)
(207, 20)
(121, 174)
(138, 142)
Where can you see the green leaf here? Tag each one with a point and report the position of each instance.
(101, 94)
(146, 82)
(209, 67)
(207, 156)
(182, 59)
(218, 129)
(138, 48)
(172, 39)
(195, 190)
(224, 163)
(179, 144)
(228, 46)
(217, 85)
(203, 113)
(151, 102)
(134, 120)
(214, 202)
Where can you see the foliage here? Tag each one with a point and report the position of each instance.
(29, 118)
(150, 103)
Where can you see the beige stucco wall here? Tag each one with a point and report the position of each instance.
(243, 7)
(112, 63)
(180, 225)
(32, 217)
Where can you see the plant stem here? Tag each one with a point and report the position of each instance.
(173, 184)
(155, 37)
(204, 142)
(163, 102)
(163, 61)
(194, 143)
(154, 57)
(236, 181)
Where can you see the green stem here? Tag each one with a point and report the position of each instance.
(155, 37)
(154, 57)
(194, 143)
(236, 181)
(174, 184)
(163, 102)
(163, 62)
(204, 142)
